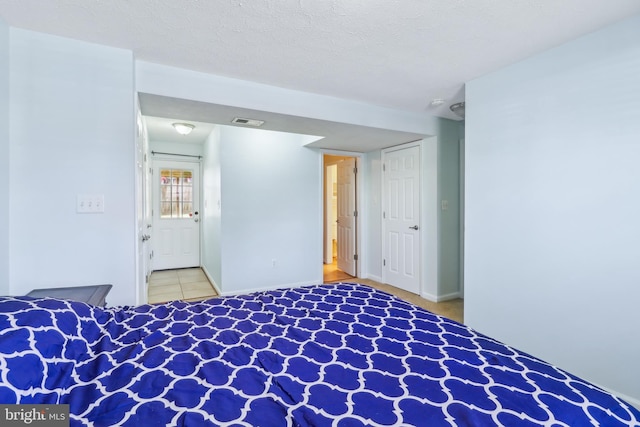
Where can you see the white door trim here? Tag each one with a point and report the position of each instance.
(141, 244)
(360, 219)
(462, 221)
(330, 219)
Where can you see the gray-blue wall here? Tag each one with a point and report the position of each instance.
(552, 260)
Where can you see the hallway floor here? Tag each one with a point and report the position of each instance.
(332, 273)
(188, 284)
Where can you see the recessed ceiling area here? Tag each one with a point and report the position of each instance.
(161, 111)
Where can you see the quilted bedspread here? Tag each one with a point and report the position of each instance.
(327, 355)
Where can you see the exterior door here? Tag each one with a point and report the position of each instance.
(176, 215)
(401, 218)
(347, 216)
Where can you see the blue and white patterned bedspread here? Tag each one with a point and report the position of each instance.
(327, 355)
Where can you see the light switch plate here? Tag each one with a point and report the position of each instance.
(90, 203)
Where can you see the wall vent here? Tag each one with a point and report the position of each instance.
(247, 122)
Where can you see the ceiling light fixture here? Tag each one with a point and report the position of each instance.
(458, 109)
(437, 102)
(183, 128)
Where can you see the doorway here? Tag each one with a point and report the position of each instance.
(340, 214)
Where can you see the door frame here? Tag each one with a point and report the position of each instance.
(360, 248)
(429, 217)
(462, 218)
(141, 211)
(329, 219)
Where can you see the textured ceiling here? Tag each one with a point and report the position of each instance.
(394, 53)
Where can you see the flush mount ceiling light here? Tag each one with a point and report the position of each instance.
(183, 128)
(458, 109)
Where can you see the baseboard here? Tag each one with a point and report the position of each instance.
(213, 282)
(271, 288)
(374, 278)
(630, 400)
(440, 298)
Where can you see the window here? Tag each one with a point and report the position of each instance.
(176, 193)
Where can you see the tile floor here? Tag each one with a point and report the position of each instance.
(189, 284)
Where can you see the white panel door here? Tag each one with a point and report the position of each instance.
(401, 218)
(176, 214)
(347, 216)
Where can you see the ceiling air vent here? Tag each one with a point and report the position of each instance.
(247, 122)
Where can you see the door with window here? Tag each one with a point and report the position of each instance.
(176, 214)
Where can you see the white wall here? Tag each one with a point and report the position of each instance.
(553, 207)
(211, 209)
(271, 210)
(4, 158)
(72, 132)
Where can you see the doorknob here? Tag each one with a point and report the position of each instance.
(415, 227)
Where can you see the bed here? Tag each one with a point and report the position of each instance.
(326, 355)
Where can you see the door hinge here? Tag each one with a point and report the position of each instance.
(355, 257)
(384, 262)
(355, 213)
(384, 215)
(355, 171)
(384, 167)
